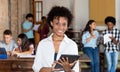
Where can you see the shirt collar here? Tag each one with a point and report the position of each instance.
(65, 39)
(113, 28)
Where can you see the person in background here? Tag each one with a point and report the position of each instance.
(89, 40)
(51, 48)
(43, 29)
(27, 27)
(111, 47)
(8, 43)
(24, 46)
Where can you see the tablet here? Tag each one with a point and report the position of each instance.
(71, 59)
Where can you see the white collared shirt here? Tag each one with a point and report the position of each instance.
(45, 53)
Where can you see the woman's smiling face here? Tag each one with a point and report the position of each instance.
(60, 25)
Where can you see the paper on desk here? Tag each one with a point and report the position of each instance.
(26, 56)
(36, 26)
(107, 38)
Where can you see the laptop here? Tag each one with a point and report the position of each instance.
(3, 53)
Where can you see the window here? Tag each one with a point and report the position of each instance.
(38, 11)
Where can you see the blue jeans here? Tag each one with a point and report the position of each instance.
(93, 54)
(112, 61)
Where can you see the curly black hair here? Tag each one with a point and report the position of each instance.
(59, 11)
(110, 19)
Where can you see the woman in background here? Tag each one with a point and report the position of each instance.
(89, 39)
(24, 46)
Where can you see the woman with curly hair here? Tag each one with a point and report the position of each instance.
(50, 49)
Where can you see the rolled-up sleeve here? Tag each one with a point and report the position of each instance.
(84, 38)
(38, 61)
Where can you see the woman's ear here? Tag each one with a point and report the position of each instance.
(90, 25)
(11, 37)
(51, 23)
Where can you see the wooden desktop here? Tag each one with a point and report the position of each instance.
(14, 64)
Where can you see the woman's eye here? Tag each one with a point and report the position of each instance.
(64, 24)
(57, 23)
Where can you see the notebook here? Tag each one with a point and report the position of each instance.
(3, 53)
(26, 56)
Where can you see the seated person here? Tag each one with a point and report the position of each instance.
(24, 46)
(7, 42)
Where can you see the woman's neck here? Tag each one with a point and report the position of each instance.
(110, 29)
(91, 32)
(56, 38)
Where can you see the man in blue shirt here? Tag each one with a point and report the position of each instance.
(28, 27)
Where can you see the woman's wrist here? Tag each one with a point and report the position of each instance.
(70, 70)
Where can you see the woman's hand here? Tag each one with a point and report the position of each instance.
(46, 69)
(14, 53)
(114, 40)
(9, 53)
(91, 37)
(67, 67)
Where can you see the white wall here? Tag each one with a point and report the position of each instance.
(80, 10)
(117, 13)
(48, 4)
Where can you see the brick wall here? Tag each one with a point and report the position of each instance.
(3, 16)
(12, 14)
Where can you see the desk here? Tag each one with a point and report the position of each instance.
(83, 58)
(14, 64)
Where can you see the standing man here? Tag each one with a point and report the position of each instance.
(112, 46)
(28, 27)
